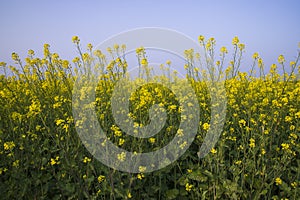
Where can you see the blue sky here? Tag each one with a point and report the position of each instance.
(268, 27)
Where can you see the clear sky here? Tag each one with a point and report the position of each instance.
(268, 27)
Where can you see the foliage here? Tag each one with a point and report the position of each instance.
(256, 157)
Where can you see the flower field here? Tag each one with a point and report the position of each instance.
(256, 156)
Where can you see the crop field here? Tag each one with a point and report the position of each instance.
(256, 155)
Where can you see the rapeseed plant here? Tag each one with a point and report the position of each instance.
(257, 155)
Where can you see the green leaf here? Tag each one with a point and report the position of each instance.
(182, 181)
(197, 176)
(208, 173)
(264, 192)
(70, 188)
(172, 194)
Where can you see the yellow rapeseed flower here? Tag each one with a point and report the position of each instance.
(151, 140)
(30, 52)
(121, 141)
(86, 160)
(180, 132)
(285, 146)
(144, 61)
(201, 38)
(205, 126)
(142, 169)
(172, 107)
(223, 50)
(54, 161)
(75, 39)
(260, 62)
(208, 46)
(9, 145)
(293, 135)
(101, 178)
(15, 56)
(235, 40)
(255, 56)
(238, 162)
(242, 122)
(16, 163)
(140, 176)
(2, 64)
(121, 156)
(252, 143)
(59, 121)
(292, 63)
(89, 46)
(288, 119)
(241, 46)
(278, 181)
(292, 127)
(294, 184)
(129, 195)
(213, 151)
(76, 60)
(188, 187)
(3, 170)
(183, 145)
(281, 59)
(140, 50)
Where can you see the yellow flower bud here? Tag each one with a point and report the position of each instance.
(75, 39)
(223, 50)
(201, 38)
(235, 40)
(281, 59)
